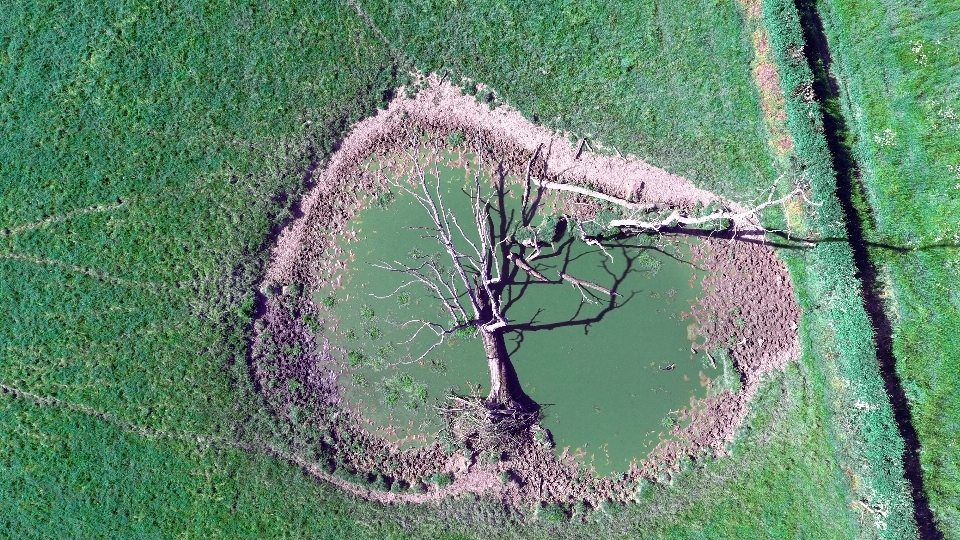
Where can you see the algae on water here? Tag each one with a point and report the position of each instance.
(597, 365)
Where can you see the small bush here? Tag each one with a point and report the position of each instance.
(442, 480)
(420, 392)
(553, 513)
(356, 358)
(455, 139)
(383, 199)
(465, 333)
(311, 321)
(381, 483)
(294, 290)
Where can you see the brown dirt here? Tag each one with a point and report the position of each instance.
(747, 297)
(747, 310)
(767, 79)
(441, 109)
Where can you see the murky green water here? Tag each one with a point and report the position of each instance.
(597, 365)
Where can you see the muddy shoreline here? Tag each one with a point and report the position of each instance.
(747, 311)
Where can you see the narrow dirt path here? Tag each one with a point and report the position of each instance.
(61, 217)
(475, 482)
(43, 261)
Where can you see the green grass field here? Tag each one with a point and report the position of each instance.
(71, 474)
(149, 152)
(651, 79)
(899, 69)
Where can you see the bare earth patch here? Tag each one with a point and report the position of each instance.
(747, 309)
(767, 79)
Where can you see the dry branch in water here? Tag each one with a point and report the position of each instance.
(588, 284)
(676, 218)
(523, 265)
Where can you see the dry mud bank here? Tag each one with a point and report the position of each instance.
(746, 311)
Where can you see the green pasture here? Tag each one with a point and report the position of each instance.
(899, 67)
(667, 81)
(898, 64)
(150, 150)
(69, 473)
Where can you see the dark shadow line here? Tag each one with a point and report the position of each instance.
(849, 187)
(530, 327)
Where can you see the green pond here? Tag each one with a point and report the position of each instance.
(595, 366)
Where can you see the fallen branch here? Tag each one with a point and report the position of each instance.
(676, 218)
(522, 264)
(588, 284)
(647, 207)
(592, 242)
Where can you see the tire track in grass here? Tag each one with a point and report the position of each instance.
(43, 261)
(475, 482)
(66, 216)
(399, 57)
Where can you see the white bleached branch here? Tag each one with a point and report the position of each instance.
(676, 218)
(643, 207)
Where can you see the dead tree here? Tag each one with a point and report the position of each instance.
(469, 286)
(470, 293)
(677, 217)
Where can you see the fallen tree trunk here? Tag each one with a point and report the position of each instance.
(588, 284)
(676, 218)
(523, 265)
(645, 207)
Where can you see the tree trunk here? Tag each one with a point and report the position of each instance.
(495, 350)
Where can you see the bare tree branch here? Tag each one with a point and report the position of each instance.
(442, 333)
(444, 232)
(418, 276)
(588, 284)
(523, 265)
(411, 282)
(525, 212)
(647, 207)
(676, 218)
(592, 242)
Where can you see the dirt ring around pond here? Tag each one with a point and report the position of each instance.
(747, 308)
